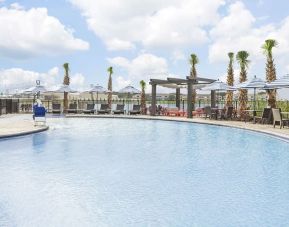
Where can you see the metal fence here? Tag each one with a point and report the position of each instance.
(9, 106)
(24, 105)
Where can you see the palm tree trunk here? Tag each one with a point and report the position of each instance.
(65, 102)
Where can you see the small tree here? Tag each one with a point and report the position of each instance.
(143, 97)
(109, 86)
(230, 79)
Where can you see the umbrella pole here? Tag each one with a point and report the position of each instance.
(127, 102)
(254, 112)
(97, 101)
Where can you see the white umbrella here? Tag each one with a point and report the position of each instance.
(218, 86)
(129, 90)
(62, 89)
(255, 83)
(36, 89)
(97, 89)
(280, 83)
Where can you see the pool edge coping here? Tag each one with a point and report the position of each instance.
(24, 133)
(186, 120)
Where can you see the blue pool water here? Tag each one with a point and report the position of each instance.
(113, 172)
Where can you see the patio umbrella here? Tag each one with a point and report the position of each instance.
(36, 89)
(97, 89)
(63, 89)
(218, 86)
(279, 83)
(255, 83)
(129, 90)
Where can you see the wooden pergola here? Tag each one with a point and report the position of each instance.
(178, 83)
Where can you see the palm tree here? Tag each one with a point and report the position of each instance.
(66, 81)
(143, 97)
(270, 69)
(242, 58)
(230, 79)
(109, 86)
(193, 75)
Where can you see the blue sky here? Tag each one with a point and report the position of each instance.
(139, 39)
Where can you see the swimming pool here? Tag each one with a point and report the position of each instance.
(118, 172)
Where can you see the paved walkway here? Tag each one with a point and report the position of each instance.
(268, 129)
(17, 125)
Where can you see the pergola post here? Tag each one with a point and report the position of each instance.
(154, 99)
(213, 99)
(178, 98)
(189, 100)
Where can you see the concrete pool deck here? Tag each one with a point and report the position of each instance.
(22, 124)
(18, 125)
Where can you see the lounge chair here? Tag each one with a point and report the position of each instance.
(265, 118)
(72, 108)
(277, 117)
(135, 110)
(39, 113)
(56, 108)
(89, 109)
(119, 109)
(104, 109)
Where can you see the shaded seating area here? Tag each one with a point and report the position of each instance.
(119, 109)
(72, 108)
(177, 84)
(135, 110)
(56, 108)
(89, 109)
(104, 109)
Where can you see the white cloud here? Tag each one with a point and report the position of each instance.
(77, 81)
(169, 24)
(231, 34)
(26, 33)
(17, 78)
(121, 82)
(143, 67)
(20, 79)
(117, 44)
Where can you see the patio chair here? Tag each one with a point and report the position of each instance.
(228, 113)
(172, 111)
(104, 109)
(89, 109)
(277, 117)
(72, 108)
(265, 118)
(39, 115)
(135, 110)
(119, 109)
(208, 113)
(56, 108)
